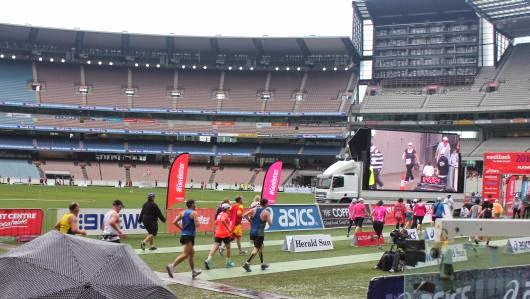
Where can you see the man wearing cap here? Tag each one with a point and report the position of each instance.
(149, 218)
(111, 223)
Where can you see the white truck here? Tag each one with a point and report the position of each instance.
(342, 181)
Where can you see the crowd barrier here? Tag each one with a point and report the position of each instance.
(21, 222)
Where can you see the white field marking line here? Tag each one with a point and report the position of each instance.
(224, 273)
(47, 200)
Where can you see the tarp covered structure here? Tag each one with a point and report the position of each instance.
(64, 266)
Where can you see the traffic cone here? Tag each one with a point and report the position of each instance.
(402, 184)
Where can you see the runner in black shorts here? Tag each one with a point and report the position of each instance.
(187, 221)
(149, 218)
(223, 240)
(258, 218)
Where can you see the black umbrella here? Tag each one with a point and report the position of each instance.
(64, 266)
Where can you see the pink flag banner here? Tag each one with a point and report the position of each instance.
(271, 182)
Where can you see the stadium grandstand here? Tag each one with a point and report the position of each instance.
(104, 107)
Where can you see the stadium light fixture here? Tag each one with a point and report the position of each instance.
(298, 68)
(89, 62)
(229, 68)
(136, 64)
(1, 55)
(40, 58)
(157, 65)
(63, 60)
(183, 67)
(194, 66)
(346, 68)
(251, 68)
(52, 60)
(324, 69)
(111, 63)
(147, 65)
(287, 68)
(335, 69)
(276, 68)
(240, 68)
(13, 57)
(100, 62)
(204, 67)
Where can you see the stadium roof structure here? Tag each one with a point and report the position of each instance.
(512, 17)
(85, 43)
(383, 11)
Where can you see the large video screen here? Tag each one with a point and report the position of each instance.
(413, 161)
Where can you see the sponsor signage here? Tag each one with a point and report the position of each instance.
(206, 220)
(271, 182)
(505, 282)
(91, 220)
(294, 217)
(519, 245)
(429, 234)
(306, 243)
(365, 239)
(334, 215)
(176, 186)
(20, 222)
(413, 233)
(457, 253)
(496, 164)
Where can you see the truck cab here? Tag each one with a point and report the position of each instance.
(339, 183)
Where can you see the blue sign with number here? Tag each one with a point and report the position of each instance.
(294, 217)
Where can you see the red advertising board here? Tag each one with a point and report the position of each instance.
(497, 164)
(364, 239)
(206, 220)
(20, 222)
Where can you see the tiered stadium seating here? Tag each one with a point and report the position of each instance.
(520, 144)
(236, 149)
(152, 88)
(63, 166)
(21, 169)
(313, 150)
(243, 88)
(58, 143)
(198, 87)
(60, 83)
(149, 173)
(15, 119)
(198, 173)
(16, 142)
(323, 90)
(514, 80)
(283, 86)
(15, 79)
(234, 175)
(391, 99)
(104, 145)
(275, 149)
(148, 146)
(107, 86)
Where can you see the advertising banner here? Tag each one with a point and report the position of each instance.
(505, 282)
(334, 215)
(91, 220)
(206, 220)
(306, 243)
(294, 217)
(519, 245)
(271, 182)
(20, 222)
(176, 183)
(496, 164)
(365, 239)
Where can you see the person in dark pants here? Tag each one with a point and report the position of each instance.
(411, 158)
(149, 218)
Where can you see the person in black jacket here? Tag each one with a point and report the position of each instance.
(149, 217)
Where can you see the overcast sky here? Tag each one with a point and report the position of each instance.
(188, 17)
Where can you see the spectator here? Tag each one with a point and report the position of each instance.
(486, 213)
(453, 171)
(443, 149)
(516, 207)
(408, 213)
(449, 201)
(351, 215)
(379, 215)
(497, 209)
(474, 213)
(149, 217)
(428, 170)
(438, 210)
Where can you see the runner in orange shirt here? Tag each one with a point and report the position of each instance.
(237, 216)
(223, 233)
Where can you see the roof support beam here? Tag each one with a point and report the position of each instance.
(125, 42)
(303, 46)
(79, 39)
(32, 36)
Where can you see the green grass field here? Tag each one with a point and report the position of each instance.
(345, 281)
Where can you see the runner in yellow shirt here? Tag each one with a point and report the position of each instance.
(68, 223)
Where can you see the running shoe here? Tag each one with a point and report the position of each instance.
(142, 245)
(230, 264)
(347, 235)
(242, 252)
(196, 273)
(206, 265)
(380, 247)
(246, 266)
(153, 248)
(170, 269)
(264, 266)
(391, 270)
